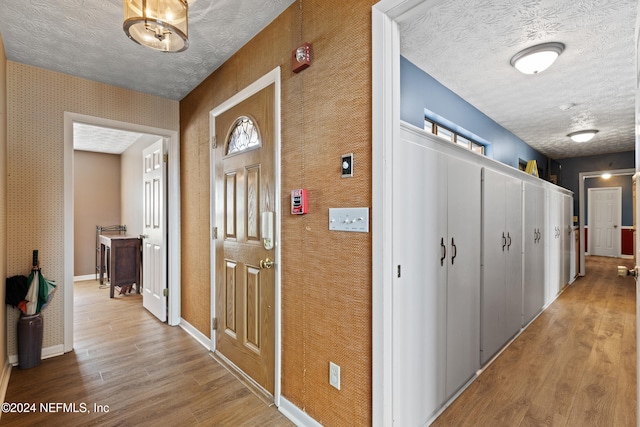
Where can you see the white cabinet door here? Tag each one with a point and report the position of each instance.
(534, 238)
(513, 266)
(501, 291)
(554, 246)
(419, 288)
(463, 281)
(494, 244)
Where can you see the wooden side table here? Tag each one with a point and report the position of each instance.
(124, 253)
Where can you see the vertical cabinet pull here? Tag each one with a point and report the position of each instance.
(444, 251)
(455, 250)
(508, 237)
(504, 241)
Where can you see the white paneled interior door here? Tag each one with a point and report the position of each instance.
(154, 279)
(604, 216)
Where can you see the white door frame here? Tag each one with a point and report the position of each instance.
(590, 207)
(173, 214)
(273, 77)
(582, 206)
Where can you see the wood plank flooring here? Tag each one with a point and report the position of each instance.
(575, 365)
(147, 373)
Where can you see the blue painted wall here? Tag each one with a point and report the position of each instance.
(419, 92)
(570, 169)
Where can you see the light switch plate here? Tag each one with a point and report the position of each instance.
(349, 219)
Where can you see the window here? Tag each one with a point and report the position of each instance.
(244, 135)
(445, 133)
(451, 136)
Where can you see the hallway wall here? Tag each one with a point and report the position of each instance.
(326, 276)
(37, 100)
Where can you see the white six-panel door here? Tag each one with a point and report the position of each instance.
(604, 218)
(154, 280)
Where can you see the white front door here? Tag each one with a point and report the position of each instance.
(604, 221)
(154, 281)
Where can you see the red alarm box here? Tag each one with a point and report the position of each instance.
(299, 201)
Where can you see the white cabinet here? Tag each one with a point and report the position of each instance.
(436, 256)
(475, 255)
(501, 286)
(553, 262)
(534, 237)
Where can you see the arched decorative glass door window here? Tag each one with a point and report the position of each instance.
(243, 136)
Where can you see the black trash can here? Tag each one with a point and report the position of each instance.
(29, 340)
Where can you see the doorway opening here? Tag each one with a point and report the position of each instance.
(170, 138)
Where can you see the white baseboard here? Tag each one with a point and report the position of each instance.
(296, 415)
(626, 256)
(85, 277)
(47, 352)
(196, 334)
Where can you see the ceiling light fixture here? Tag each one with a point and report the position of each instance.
(537, 58)
(582, 135)
(606, 175)
(157, 24)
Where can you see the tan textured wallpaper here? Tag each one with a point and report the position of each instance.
(3, 201)
(37, 100)
(96, 201)
(326, 276)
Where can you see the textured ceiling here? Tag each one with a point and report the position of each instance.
(467, 47)
(101, 139)
(85, 39)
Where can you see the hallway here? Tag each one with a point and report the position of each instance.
(575, 365)
(138, 371)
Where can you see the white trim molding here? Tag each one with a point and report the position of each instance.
(173, 212)
(296, 415)
(196, 334)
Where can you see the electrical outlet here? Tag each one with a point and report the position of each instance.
(334, 375)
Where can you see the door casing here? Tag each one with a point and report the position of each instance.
(173, 214)
(273, 77)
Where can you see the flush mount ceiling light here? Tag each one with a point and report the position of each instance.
(537, 58)
(606, 175)
(582, 135)
(157, 24)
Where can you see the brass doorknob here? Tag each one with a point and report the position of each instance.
(266, 263)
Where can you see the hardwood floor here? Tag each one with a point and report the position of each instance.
(146, 372)
(575, 365)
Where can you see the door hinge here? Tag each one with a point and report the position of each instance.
(214, 142)
(165, 292)
(165, 158)
(214, 233)
(214, 323)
